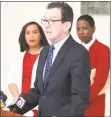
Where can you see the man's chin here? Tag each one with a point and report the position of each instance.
(49, 38)
(82, 39)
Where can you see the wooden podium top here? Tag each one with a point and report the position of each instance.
(4, 113)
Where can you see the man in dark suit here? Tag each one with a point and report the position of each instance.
(63, 75)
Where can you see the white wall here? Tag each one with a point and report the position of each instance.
(15, 14)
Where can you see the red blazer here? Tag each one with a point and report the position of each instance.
(100, 60)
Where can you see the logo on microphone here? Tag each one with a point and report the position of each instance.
(2, 103)
(20, 102)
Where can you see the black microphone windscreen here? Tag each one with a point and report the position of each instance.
(3, 95)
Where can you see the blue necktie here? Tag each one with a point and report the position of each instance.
(48, 64)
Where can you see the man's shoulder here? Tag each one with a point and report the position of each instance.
(100, 46)
(77, 50)
(78, 47)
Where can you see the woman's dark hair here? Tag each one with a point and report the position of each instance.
(22, 41)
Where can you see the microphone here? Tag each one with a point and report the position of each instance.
(3, 98)
(2, 102)
(18, 107)
(22, 105)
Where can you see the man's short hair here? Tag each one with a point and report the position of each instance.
(87, 18)
(67, 11)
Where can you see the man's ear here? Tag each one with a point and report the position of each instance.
(94, 28)
(67, 26)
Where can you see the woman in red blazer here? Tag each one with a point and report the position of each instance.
(100, 64)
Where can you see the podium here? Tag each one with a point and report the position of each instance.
(4, 113)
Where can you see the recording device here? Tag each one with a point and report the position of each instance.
(3, 95)
(21, 106)
(3, 98)
(18, 106)
(2, 102)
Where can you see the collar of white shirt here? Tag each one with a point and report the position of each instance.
(57, 47)
(88, 45)
(60, 43)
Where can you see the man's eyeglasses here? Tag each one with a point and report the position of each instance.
(50, 21)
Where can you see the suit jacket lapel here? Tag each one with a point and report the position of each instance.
(60, 56)
(41, 64)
